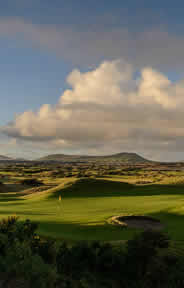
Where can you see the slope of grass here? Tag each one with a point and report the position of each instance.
(86, 205)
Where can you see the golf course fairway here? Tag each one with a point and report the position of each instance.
(80, 209)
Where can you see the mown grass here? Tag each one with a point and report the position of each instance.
(86, 205)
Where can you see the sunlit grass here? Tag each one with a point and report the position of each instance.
(86, 205)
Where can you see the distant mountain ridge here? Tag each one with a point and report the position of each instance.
(123, 157)
(5, 158)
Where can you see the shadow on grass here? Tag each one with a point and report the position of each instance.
(77, 232)
(8, 197)
(15, 187)
(25, 213)
(105, 188)
(173, 225)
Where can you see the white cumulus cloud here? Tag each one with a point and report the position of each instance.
(109, 109)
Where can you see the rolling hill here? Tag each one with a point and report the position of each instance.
(122, 157)
(87, 204)
(5, 158)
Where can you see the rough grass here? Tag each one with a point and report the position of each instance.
(86, 204)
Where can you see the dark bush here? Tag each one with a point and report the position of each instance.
(18, 260)
(145, 262)
(143, 249)
(45, 248)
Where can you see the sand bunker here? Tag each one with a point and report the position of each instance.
(140, 222)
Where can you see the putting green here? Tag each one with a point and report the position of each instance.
(79, 209)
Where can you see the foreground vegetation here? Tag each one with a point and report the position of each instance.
(28, 261)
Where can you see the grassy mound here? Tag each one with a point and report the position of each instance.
(78, 209)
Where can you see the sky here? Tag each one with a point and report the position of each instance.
(92, 77)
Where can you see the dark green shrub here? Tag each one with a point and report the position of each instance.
(21, 263)
(63, 260)
(143, 256)
(45, 248)
(34, 262)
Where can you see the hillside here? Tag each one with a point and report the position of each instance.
(5, 158)
(122, 157)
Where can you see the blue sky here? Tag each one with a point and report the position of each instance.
(29, 78)
(42, 42)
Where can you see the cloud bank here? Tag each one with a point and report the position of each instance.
(156, 47)
(108, 109)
